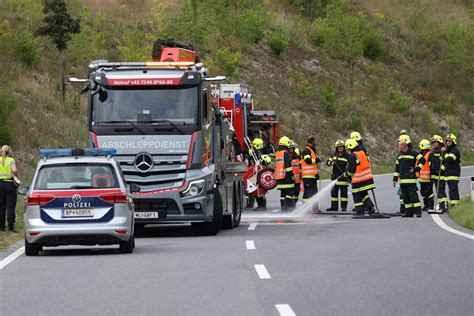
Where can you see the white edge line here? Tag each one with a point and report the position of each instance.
(11, 257)
(252, 226)
(250, 244)
(285, 310)
(437, 219)
(262, 271)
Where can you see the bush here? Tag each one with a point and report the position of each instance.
(6, 106)
(328, 98)
(278, 41)
(26, 49)
(228, 61)
(252, 23)
(399, 102)
(374, 45)
(317, 33)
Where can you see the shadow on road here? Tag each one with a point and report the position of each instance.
(58, 252)
(151, 231)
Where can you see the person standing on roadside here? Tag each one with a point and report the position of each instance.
(8, 172)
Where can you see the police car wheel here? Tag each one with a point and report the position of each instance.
(32, 249)
(127, 246)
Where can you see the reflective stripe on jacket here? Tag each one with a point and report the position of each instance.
(364, 169)
(309, 170)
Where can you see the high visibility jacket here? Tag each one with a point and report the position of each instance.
(453, 164)
(309, 166)
(6, 173)
(296, 166)
(283, 170)
(364, 168)
(406, 166)
(424, 173)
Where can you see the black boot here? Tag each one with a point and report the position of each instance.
(11, 228)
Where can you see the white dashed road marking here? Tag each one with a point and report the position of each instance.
(437, 219)
(262, 271)
(285, 310)
(250, 244)
(252, 226)
(11, 257)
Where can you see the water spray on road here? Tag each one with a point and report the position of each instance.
(301, 211)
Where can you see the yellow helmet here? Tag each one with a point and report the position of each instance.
(284, 141)
(437, 138)
(292, 144)
(424, 144)
(257, 143)
(404, 138)
(339, 143)
(356, 136)
(452, 138)
(267, 159)
(351, 143)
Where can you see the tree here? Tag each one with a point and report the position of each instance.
(59, 25)
(341, 34)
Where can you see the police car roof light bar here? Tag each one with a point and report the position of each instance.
(46, 153)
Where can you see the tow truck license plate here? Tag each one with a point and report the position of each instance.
(146, 215)
(77, 213)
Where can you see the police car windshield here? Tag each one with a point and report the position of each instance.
(76, 176)
(147, 105)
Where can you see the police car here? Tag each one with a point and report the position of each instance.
(78, 197)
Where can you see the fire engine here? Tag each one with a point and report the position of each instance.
(169, 138)
(236, 103)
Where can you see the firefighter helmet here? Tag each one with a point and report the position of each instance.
(292, 144)
(356, 136)
(424, 144)
(284, 141)
(339, 143)
(405, 138)
(257, 143)
(351, 143)
(437, 138)
(267, 159)
(452, 138)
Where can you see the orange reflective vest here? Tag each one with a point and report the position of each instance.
(295, 164)
(309, 170)
(363, 170)
(425, 172)
(280, 165)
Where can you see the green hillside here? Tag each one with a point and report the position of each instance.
(412, 65)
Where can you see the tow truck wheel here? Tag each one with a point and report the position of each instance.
(211, 228)
(127, 246)
(32, 249)
(229, 221)
(239, 206)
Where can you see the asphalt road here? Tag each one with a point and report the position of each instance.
(315, 265)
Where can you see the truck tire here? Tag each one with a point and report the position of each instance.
(211, 228)
(233, 219)
(239, 206)
(32, 249)
(127, 246)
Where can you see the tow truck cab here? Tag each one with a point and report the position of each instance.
(169, 139)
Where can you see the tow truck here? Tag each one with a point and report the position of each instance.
(170, 139)
(236, 103)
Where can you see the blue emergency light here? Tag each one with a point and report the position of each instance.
(45, 153)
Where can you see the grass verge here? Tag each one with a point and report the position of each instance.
(463, 214)
(7, 238)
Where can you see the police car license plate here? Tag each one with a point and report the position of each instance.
(77, 213)
(146, 215)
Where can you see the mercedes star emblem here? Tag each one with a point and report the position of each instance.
(144, 162)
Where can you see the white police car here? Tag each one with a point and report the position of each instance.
(78, 197)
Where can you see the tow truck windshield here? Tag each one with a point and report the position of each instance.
(178, 106)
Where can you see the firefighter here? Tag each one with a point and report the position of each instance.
(453, 169)
(284, 174)
(437, 174)
(358, 138)
(426, 187)
(338, 161)
(403, 138)
(309, 169)
(359, 168)
(258, 148)
(296, 165)
(406, 168)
